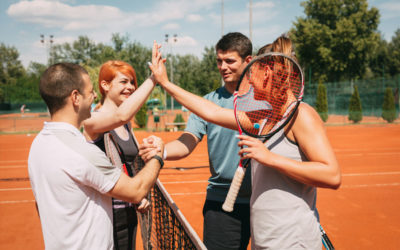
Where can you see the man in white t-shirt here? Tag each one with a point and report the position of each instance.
(73, 181)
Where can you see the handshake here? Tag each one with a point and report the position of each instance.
(150, 147)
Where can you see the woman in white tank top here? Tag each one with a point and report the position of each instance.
(285, 171)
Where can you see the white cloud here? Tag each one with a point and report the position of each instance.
(194, 18)
(53, 14)
(58, 14)
(98, 22)
(262, 5)
(171, 26)
(393, 6)
(186, 41)
(390, 10)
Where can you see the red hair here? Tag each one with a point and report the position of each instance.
(108, 72)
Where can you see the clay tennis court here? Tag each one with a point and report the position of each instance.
(363, 213)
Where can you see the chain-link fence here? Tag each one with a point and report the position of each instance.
(371, 94)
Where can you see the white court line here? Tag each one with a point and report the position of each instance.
(369, 174)
(365, 149)
(15, 189)
(369, 154)
(371, 185)
(16, 166)
(14, 202)
(195, 193)
(14, 161)
(203, 193)
(181, 182)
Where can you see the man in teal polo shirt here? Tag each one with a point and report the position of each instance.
(222, 230)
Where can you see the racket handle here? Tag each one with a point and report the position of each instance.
(233, 190)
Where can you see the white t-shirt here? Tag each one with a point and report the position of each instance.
(69, 178)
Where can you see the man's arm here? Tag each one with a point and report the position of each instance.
(181, 147)
(174, 150)
(136, 188)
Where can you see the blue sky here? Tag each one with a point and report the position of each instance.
(197, 23)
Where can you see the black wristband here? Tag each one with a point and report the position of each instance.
(159, 159)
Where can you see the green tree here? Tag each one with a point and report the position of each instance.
(355, 108)
(94, 78)
(141, 116)
(208, 77)
(389, 113)
(394, 52)
(379, 59)
(335, 38)
(321, 103)
(186, 72)
(81, 51)
(10, 66)
(137, 55)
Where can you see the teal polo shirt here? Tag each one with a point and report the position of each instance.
(222, 151)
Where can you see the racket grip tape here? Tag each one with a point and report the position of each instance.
(233, 190)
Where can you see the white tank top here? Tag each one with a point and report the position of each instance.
(283, 210)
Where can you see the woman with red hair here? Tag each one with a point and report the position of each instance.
(121, 100)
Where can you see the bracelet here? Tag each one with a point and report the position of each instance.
(159, 159)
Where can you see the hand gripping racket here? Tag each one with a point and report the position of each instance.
(268, 94)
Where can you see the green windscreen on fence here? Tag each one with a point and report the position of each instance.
(371, 94)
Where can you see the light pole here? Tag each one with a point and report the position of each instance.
(222, 18)
(171, 42)
(47, 43)
(250, 19)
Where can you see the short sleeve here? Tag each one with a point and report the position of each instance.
(197, 126)
(102, 175)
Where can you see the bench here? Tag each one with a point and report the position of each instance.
(174, 125)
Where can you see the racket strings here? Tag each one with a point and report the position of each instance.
(267, 90)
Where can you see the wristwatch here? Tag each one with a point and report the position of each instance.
(159, 159)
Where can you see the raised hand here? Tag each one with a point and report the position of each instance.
(157, 65)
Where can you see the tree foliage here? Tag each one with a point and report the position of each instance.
(394, 54)
(336, 37)
(355, 108)
(11, 67)
(389, 112)
(141, 116)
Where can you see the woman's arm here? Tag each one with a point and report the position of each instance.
(107, 120)
(321, 169)
(205, 109)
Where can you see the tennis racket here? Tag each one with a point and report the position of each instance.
(325, 240)
(114, 154)
(268, 94)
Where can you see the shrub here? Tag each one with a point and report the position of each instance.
(389, 113)
(141, 116)
(179, 118)
(322, 102)
(355, 109)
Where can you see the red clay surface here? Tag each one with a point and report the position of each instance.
(362, 214)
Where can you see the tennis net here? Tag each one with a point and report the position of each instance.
(164, 226)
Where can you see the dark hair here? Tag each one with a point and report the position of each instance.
(235, 41)
(58, 81)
